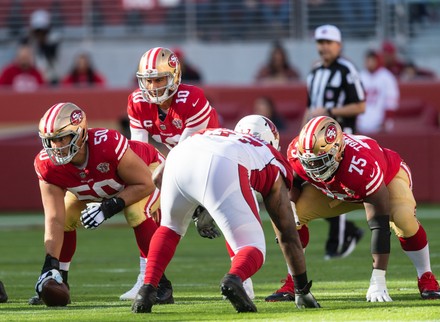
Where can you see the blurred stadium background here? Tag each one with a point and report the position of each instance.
(228, 41)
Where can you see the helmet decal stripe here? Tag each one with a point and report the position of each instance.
(310, 131)
(49, 126)
(152, 57)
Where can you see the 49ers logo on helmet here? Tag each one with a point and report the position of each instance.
(173, 61)
(76, 117)
(330, 133)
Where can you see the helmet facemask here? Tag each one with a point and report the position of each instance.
(63, 155)
(153, 96)
(60, 121)
(322, 167)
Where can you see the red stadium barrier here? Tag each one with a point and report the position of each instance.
(20, 185)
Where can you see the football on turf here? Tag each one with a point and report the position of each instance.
(54, 294)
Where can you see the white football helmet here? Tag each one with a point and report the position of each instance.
(260, 127)
(159, 62)
(321, 147)
(60, 120)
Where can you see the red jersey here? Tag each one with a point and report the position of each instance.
(98, 179)
(21, 80)
(364, 167)
(189, 109)
(261, 159)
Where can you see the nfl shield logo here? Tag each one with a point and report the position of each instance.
(103, 167)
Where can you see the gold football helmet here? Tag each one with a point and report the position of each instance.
(321, 147)
(159, 62)
(60, 120)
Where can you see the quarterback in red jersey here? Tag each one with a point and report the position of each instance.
(162, 107)
(89, 175)
(228, 166)
(336, 173)
(168, 111)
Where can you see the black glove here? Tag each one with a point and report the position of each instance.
(304, 298)
(205, 224)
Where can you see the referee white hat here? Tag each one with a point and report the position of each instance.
(328, 32)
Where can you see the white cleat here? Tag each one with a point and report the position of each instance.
(131, 294)
(249, 288)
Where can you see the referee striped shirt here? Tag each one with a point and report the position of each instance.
(334, 86)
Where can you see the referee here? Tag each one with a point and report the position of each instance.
(335, 89)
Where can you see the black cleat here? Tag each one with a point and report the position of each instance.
(164, 291)
(232, 287)
(35, 300)
(3, 295)
(145, 299)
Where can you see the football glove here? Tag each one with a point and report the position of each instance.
(52, 274)
(378, 292)
(95, 213)
(304, 298)
(205, 224)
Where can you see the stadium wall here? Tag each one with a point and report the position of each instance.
(20, 113)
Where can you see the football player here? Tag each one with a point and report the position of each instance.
(78, 166)
(335, 172)
(229, 166)
(164, 109)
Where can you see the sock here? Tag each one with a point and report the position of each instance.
(417, 249)
(162, 248)
(304, 235)
(230, 251)
(143, 234)
(68, 249)
(142, 265)
(246, 262)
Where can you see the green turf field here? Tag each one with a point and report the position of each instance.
(106, 265)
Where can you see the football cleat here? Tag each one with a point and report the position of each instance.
(232, 287)
(285, 293)
(35, 300)
(131, 294)
(348, 247)
(145, 299)
(428, 286)
(3, 295)
(164, 291)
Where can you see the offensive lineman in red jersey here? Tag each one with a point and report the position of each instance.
(228, 166)
(336, 173)
(80, 165)
(167, 111)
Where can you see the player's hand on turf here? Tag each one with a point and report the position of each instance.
(304, 298)
(52, 274)
(92, 216)
(378, 292)
(205, 224)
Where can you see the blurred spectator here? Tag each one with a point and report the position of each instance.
(391, 59)
(412, 72)
(22, 75)
(276, 14)
(265, 106)
(45, 43)
(278, 70)
(83, 73)
(358, 16)
(382, 96)
(189, 73)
